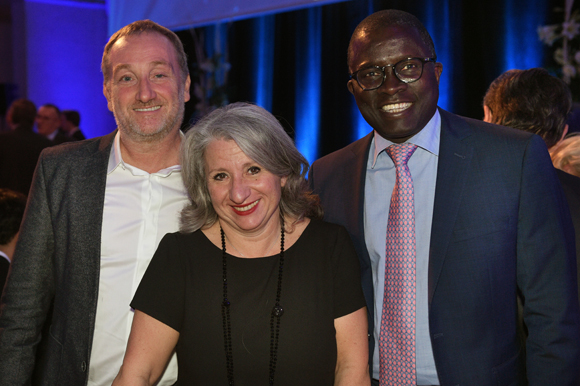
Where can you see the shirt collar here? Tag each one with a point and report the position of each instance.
(427, 138)
(2, 254)
(52, 135)
(116, 160)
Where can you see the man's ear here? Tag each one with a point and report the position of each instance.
(186, 95)
(564, 132)
(350, 86)
(438, 70)
(107, 95)
(486, 114)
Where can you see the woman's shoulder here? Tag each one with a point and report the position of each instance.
(181, 238)
(325, 227)
(320, 230)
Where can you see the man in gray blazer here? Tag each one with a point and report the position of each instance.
(96, 212)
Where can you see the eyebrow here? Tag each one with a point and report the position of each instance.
(155, 63)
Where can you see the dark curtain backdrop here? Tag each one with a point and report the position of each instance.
(294, 63)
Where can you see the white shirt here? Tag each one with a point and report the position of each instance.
(5, 256)
(140, 208)
(52, 135)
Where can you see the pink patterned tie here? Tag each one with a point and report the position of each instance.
(397, 336)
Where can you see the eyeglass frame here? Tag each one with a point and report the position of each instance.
(354, 75)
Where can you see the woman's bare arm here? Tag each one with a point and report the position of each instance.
(150, 346)
(352, 364)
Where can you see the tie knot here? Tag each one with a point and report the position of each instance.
(401, 152)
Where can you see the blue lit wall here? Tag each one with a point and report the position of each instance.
(264, 55)
(361, 127)
(308, 85)
(438, 23)
(64, 45)
(523, 49)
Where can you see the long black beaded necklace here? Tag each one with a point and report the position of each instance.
(276, 313)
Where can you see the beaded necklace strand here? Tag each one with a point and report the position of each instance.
(277, 312)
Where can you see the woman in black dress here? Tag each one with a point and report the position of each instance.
(255, 289)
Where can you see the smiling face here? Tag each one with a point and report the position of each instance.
(396, 110)
(145, 90)
(244, 195)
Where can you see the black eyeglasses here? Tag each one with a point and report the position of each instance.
(407, 70)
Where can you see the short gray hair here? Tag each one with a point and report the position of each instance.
(261, 137)
(139, 27)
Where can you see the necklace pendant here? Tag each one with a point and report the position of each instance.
(277, 311)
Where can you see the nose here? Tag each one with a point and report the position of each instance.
(239, 190)
(392, 84)
(146, 91)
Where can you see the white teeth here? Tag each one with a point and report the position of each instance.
(248, 207)
(153, 108)
(396, 107)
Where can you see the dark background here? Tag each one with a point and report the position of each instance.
(473, 40)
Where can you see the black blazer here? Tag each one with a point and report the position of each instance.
(500, 225)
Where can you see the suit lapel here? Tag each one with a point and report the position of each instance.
(87, 213)
(356, 191)
(454, 161)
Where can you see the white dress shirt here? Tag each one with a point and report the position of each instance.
(5, 256)
(140, 208)
(379, 184)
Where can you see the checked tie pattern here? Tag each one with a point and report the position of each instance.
(397, 335)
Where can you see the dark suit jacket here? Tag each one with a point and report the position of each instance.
(19, 151)
(61, 137)
(4, 267)
(571, 187)
(77, 135)
(56, 262)
(500, 224)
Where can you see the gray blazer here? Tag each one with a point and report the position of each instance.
(56, 264)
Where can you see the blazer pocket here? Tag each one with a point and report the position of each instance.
(480, 228)
(49, 351)
(510, 373)
(57, 326)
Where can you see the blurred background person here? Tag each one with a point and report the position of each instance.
(20, 147)
(12, 206)
(48, 123)
(535, 101)
(71, 119)
(253, 266)
(566, 154)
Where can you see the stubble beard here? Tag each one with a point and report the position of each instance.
(136, 133)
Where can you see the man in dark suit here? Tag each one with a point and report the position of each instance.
(535, 101)
(20, 147)
(12, 206)
(96, 212)
(71, 119)
(48, 122)
(484, 218)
